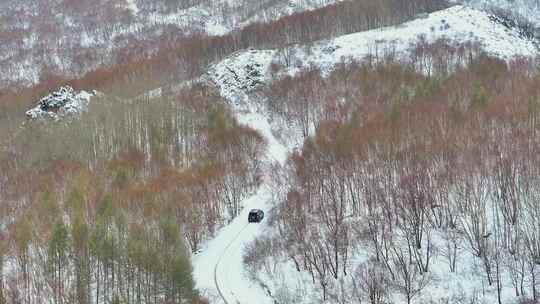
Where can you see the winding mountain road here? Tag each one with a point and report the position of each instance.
(219, 269)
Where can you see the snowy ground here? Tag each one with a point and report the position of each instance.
(458, 23)
(526, 8)
(218, 270)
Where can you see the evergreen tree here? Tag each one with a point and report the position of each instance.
(80, 235)
(479, 97)
(57, 257)
(116, 299)
(23, 237)
(178, 267)
(182, 277)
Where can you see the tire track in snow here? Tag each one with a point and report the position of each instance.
(219, 261)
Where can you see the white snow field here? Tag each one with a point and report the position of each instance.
(218, 268)
(458, 23)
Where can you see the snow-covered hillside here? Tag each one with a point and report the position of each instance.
(222, 16)
(218, 268)
(460, 24)
(457, 24)
(38, 38)
(529, 9)
(246, 70)
(69, 38)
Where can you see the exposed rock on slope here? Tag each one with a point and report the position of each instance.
(62, 102)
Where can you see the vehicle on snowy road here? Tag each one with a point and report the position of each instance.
(255, 216)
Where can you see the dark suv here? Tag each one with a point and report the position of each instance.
(255, 216)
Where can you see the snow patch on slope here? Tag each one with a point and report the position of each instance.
(528, 9)
(132, 6)
(282, 9)
(460, 24)
(241, 73)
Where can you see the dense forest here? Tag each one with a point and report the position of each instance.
(404, 163)
(106, 203)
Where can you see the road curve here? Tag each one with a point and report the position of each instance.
(219, 261)
(218, 268)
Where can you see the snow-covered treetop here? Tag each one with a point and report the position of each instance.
(528, 9)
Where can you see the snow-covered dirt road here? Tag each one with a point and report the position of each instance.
(218, 269)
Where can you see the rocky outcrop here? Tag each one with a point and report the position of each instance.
(62, 102)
